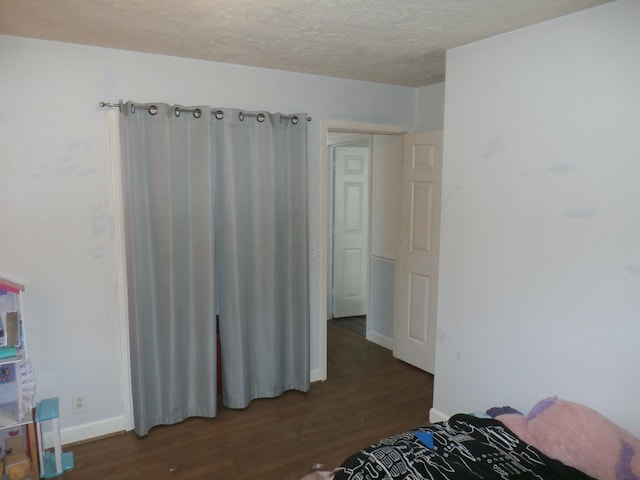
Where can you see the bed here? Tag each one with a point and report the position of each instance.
(556, 440)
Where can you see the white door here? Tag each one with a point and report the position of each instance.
(417, 258)
(350, 231)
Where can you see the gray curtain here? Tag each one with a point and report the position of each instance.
(261, 253)
(214, 208)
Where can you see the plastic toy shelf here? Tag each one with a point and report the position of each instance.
(50, 468)
(53, 462)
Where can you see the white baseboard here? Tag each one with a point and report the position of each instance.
(316, 376)
(437, 416)
(113, 425)
(88, 431)
(381, 340)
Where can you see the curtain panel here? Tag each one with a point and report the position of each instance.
(215, 215)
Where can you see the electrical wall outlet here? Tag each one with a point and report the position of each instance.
(79, 402)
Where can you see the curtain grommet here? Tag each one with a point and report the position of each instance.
(153, 110)
(219, 114)
(197, 113)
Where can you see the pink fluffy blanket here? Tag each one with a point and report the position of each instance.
(579, 437)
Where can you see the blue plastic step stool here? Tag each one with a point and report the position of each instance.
(53, 461)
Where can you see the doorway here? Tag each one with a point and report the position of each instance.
(387, 273)
(382, 140)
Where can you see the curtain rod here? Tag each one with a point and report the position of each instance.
(196, 111)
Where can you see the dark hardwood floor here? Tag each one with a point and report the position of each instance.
(355, 324)
(368, 395)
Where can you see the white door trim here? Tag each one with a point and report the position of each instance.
(121, 269)
(323, 241)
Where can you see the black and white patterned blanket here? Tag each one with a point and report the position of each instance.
(465, 447)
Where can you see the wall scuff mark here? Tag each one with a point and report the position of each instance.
(579, 213)
(632, 269)
(562, 168)
(494, 146)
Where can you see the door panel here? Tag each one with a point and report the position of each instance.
(351, 231)
(417, 258)
(419, 307)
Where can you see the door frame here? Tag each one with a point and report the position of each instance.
(122, 317)
(324, 201)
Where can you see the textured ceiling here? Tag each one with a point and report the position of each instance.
(400, 42)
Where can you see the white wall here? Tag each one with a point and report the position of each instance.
(430, 107)
(540, 246)
(56, 225)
